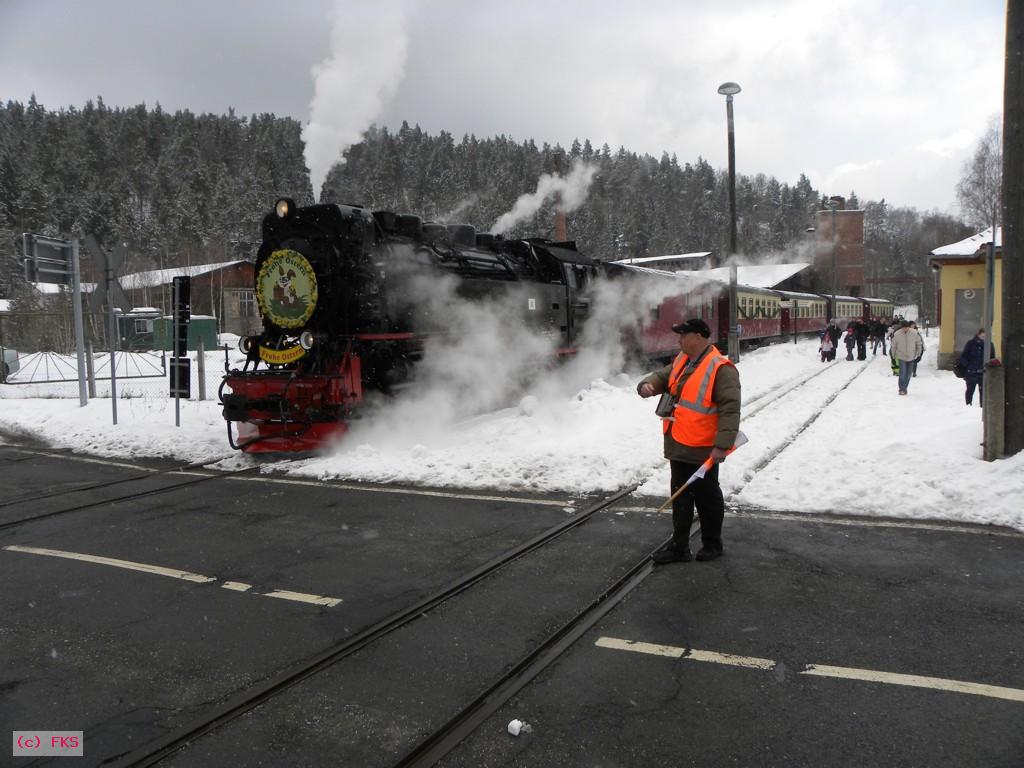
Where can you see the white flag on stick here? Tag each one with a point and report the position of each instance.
(703, 469)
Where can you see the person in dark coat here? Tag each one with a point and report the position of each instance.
(850, 340)
(878, 333)
(861, 332)
(973, 361)
(833, 333)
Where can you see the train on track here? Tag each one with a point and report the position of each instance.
(350, 300)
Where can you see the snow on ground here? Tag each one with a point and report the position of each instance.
(871, 452)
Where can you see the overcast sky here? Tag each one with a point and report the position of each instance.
(885, 98)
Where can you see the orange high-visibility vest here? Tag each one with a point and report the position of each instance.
(694, 421)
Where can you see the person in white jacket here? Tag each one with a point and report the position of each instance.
(907, 346)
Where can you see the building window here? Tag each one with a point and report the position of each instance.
(246, 304)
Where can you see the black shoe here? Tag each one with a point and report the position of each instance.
(706, 554)
(669, 554)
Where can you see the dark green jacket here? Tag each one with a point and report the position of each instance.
(725, 395)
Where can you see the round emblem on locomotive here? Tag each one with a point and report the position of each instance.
(286, 288)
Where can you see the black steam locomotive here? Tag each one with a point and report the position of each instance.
(343, 293)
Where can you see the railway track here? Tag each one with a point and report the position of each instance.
(441, 741)
(445, 738)
(116, 499)
(780, 445)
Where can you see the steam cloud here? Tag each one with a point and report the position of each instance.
(352, 86)
(572, 189)
(493, 357)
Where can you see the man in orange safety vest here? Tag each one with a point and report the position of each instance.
(703, 421)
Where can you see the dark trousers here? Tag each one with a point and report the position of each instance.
(972, 382)
(706, 495)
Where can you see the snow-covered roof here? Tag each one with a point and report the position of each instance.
(154, 277)
(969, 246)
(759, 276)
(653, 261)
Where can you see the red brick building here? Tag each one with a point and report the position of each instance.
(848, 248)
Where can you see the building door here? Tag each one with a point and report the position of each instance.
(969, 312)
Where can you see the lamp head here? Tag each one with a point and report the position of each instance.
(729, 89)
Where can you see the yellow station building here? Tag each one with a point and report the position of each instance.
(961, 293)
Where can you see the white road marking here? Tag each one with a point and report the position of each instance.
(916, 681)
(817, 670)
(86, 460)
(401, 491)
(539, 502)
(688, 653)
(856, 523)
(157, 570)
(315, 483)
(302, 597)
(236, 586)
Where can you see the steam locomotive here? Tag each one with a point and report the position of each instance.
(350, 299)
(342, 294)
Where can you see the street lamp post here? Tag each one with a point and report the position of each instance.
(729, 90)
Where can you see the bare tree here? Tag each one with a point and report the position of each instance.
(980, 188)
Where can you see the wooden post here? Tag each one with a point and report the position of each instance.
(993, 417)
(1011, 351)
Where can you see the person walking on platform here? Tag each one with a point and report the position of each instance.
(703, 423)
(907, 346)
(913, 370)
(878, 331)
(972, 359)
(827, 348)
(833, 333)
(861, 333)
(850, 341)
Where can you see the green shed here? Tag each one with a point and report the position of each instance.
(199, 327)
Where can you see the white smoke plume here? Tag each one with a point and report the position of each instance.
(367, 62)
(486, 355)
(460, 207)
(572, 189)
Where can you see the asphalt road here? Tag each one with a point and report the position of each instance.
(817, 643)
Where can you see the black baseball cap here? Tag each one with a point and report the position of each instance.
(693, 325)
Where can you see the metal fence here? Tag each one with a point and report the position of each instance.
(40, 360)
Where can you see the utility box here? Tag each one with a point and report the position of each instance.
(199, 327)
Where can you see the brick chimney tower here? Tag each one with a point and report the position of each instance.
(561, 229)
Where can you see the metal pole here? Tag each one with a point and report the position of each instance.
(76, 298)
(175, 370)
(201, 367)
(732, 175)
(734, 342)
(112, 324)
(834, 268)
(90, 370)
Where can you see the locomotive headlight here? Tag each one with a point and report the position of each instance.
(245, 344)
(306, 340)
(284, 207)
